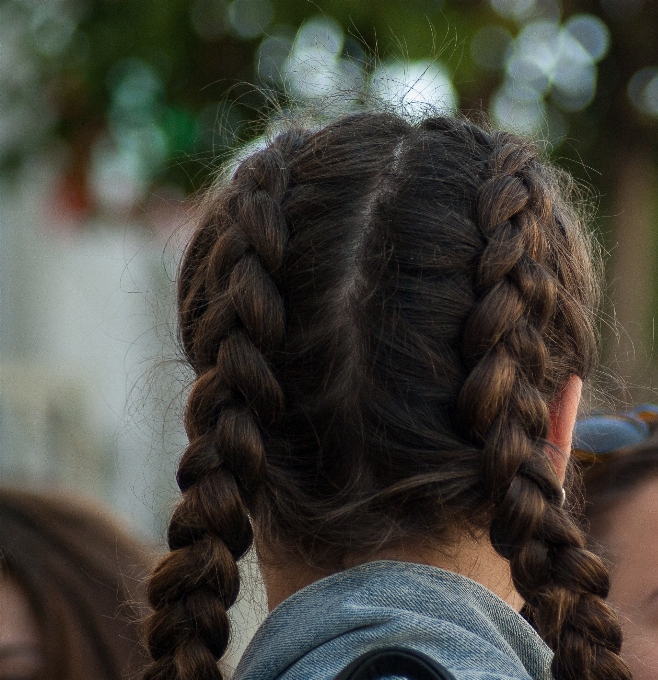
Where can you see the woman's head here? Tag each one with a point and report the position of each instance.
(69, 591)
(379, 315)
(621, 493)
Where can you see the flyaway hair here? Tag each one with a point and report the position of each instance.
(379, 314)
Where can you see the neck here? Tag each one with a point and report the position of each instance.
(471, 557)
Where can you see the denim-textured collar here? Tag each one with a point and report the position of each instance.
(316, 632)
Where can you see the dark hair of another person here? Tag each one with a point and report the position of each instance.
(81, 575)
(378, 315)
(611, 479)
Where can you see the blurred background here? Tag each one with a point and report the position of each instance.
(113, 113)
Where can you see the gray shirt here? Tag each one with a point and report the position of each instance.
(320, 629)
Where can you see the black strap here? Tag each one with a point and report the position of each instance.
(405, 663)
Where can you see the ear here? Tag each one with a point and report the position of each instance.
(563, 412)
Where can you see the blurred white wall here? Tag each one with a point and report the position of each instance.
(86, 316)
(90, 392)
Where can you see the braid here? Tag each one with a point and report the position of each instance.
(231, 319)
(506, 346)
(439, 294)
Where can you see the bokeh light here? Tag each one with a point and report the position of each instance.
(250, 18)
(272, 54)
(316, 67)
(514, 9)
(518, 108)
(549, 60)
(322, 64)
(591, 33)
(26, 114)
(643, 90)
(52, 29)
(135, 146)
(418, 88)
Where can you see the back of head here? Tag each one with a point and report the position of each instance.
(379, 314)
(81, 575)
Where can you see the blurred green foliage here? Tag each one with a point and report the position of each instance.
(157, 90)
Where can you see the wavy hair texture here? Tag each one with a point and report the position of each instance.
(379, 314)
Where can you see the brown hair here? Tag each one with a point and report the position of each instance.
(82, 576)
(378, 315)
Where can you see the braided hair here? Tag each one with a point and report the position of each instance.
(378, 315)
